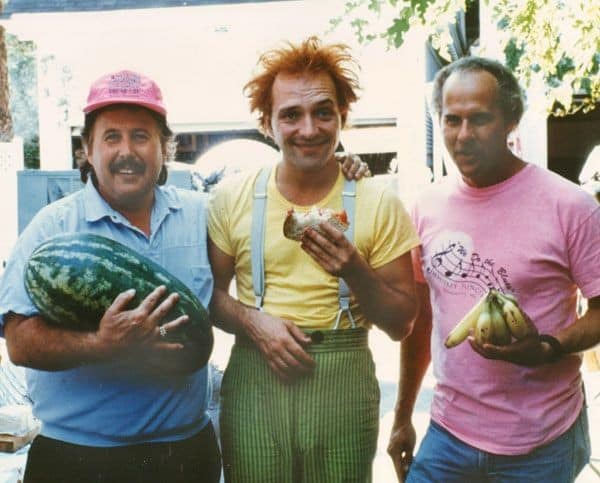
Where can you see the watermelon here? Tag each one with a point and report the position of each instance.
(73, 278)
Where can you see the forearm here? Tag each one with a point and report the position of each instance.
(415, 357)
(31, 342)
(230, 314)
(414, 361)
(391, 308)
(584, 333)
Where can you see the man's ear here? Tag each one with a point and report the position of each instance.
(510, 128)
(85, 149)
(344, 116)
(268, 130)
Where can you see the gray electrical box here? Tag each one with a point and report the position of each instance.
(37, 188)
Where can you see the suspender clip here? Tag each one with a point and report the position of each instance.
(344, 307)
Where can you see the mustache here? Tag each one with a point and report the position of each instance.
(129, 163)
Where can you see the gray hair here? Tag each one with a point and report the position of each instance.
(511, 96)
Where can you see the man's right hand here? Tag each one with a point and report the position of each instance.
(282, 344)
(402, 443)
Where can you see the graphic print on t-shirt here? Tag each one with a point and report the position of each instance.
(453, 261)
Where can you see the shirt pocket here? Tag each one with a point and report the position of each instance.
(190, 265)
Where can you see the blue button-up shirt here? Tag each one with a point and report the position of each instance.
(112, 403)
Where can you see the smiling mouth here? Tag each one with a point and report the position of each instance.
(310, 146)
(128, 167)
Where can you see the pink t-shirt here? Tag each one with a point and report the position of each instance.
(535, 235)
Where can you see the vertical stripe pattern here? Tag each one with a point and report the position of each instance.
(320, 429)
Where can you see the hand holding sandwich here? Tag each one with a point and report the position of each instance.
(328, 246)
(385, 294)
(320, 232)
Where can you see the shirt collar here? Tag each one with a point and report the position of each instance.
(97, 208)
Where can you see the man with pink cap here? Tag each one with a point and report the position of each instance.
(120, 404)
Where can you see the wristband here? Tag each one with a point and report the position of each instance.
(557, 348)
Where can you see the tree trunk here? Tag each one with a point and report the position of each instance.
(6, 126)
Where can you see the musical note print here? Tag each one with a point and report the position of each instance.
(454, 264)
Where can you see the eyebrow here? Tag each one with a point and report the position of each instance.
(325, 102)
(135, 129)
(478, 114)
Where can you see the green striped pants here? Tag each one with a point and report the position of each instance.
(320, 429)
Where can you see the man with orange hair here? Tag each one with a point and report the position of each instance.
(300, 400)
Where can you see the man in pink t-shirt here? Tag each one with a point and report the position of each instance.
(499, 413)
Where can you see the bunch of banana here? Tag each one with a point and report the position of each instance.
(496, 318)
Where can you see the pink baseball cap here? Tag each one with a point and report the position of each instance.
(125, 87)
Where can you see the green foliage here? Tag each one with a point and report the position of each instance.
(552, 43)
(23, 96)
(31, 148)
(558, 42)
(402, 15)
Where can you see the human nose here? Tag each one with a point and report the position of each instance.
(125, 146)
(307, 126)
(465, 131)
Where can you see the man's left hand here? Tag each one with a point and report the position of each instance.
(529, 351)
(352, 166)
(331, 250)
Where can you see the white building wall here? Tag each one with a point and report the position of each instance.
(55, 133)
(201, 57)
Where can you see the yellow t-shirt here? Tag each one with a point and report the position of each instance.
(296, 287)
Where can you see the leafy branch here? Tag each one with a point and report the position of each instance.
(550, 43)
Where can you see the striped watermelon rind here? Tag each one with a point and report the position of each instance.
(73, 278)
